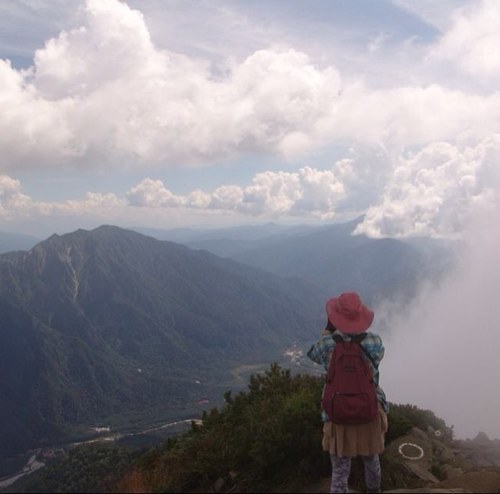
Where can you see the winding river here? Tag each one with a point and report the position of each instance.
(34, 463)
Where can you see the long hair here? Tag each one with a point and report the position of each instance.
(330, 327)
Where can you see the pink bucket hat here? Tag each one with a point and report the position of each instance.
(348, 314)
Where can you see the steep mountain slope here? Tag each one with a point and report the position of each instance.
(111, 321)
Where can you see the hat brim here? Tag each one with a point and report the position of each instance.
(346, 324)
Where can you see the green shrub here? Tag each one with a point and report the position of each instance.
(266, 437)
(403, 417)
(86, 468)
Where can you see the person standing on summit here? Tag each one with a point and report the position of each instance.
(354, 422)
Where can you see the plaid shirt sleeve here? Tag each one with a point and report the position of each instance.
(320, 351)
(373, 345)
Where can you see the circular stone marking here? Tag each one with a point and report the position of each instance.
(420, 451)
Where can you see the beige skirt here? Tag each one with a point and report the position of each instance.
(355, 440)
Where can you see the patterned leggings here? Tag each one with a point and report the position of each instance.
(341, 468)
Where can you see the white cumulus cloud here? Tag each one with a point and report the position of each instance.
(434, 192)
(104, 89)
(308, 191)
(12, 200)
(472, 41)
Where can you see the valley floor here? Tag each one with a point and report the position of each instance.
(30, 467)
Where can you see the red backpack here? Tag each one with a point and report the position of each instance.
(350, 393)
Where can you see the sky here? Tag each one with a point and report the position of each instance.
(184, 113)
(214, 113)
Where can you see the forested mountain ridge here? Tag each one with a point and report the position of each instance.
(108, 321)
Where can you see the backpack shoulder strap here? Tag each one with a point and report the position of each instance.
(337, 338)
(357, 338)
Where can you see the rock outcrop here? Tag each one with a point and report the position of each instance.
(441, 465)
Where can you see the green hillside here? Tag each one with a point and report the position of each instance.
(266, 438)
(110, 325)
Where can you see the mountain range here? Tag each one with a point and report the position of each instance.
(103, 322)
(115, 325)
(330, 257)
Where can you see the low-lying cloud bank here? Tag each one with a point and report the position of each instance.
(444, 353)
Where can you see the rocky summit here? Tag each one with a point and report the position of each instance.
(436, 465)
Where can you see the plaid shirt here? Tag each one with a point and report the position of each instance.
(321, 351)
